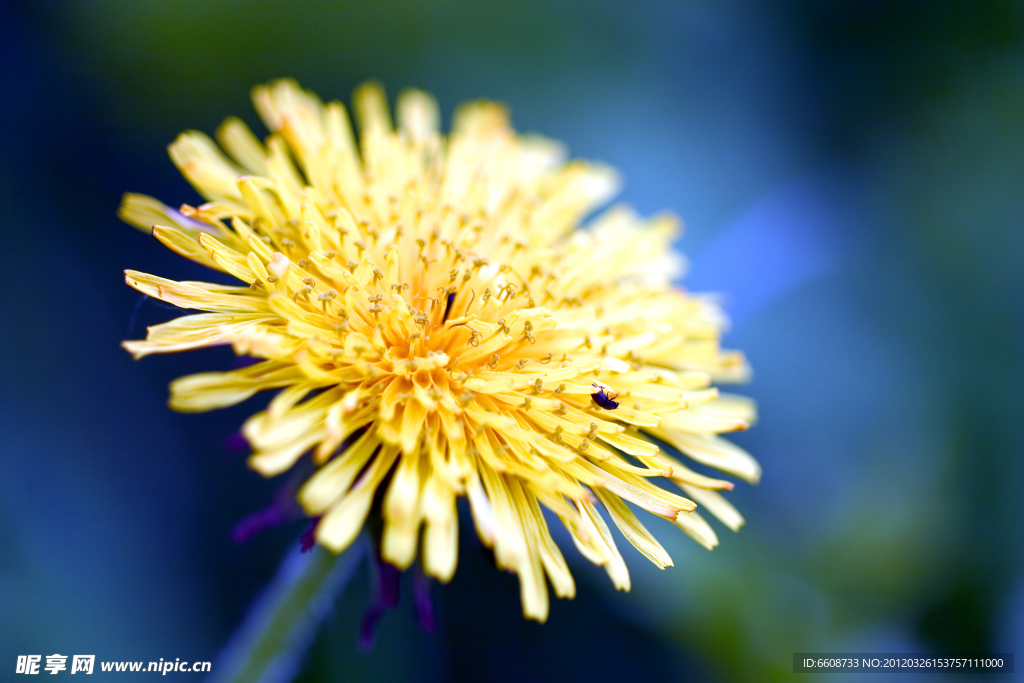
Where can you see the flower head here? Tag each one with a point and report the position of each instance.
(440, 325)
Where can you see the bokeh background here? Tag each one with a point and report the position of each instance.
(852, 178)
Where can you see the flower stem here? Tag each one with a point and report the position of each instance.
(271, 644)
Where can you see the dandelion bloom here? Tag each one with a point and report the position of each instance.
(440, 325)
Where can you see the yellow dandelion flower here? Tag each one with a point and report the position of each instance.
(438, 322)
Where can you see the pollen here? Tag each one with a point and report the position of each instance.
(437, 322)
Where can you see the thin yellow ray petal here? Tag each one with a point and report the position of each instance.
(440, 540)
(197, 295)
(551, 557)
(193, 332)
(698, 529)
(209, 390)
(240, 143)
(633, 530)
(199, 160)
(717, 505)
(342, 522)
(712, 450)
(335, 478)
(614, 564)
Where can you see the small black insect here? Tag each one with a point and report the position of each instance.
(602, 398)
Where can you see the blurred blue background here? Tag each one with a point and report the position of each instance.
(851, 176)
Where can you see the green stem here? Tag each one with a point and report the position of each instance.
(271, 644)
